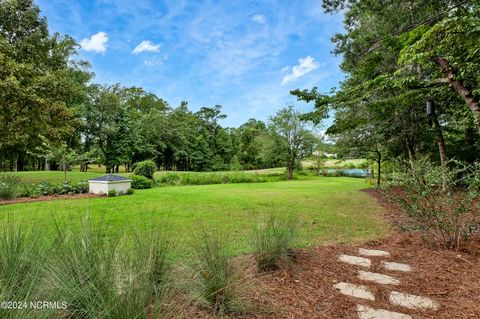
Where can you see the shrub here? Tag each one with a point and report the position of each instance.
(9, 184)
(141, 182)
(44, 189)
(47, 188)
(447, 215)
(81, 187)
(64, 189)
(219, 283)
(145, 168)
(112, 193)
(26, 190)
(130, 191)
(273, 242)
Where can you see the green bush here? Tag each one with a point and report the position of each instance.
(9, 184)
(81, 187)
(218, 283)
(112, 193)
(44, 189)
(439, 202)
(141, 182)
(130, 191)
(145, 168)
(47, 188)
(273, 242)
(65, 189)
(26, 190)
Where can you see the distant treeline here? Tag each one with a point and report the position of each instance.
(53, 117)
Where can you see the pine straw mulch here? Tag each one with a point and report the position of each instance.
(45, 198)
(306, 291)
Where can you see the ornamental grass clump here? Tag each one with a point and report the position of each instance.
(218, 283)
(273, 242)
(22, 256)
(100, 276)
(9, 185)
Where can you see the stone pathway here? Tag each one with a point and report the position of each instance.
(396, 298)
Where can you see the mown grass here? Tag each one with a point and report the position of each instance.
(328, 209)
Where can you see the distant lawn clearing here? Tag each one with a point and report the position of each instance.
(75, 176)
(336, 163)
(329, 209)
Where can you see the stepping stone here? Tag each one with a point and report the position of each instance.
(357, 291)
(354, 260)
(378, 278)
(412, 301)
(396, 266)
(365, 312)
(373, 252)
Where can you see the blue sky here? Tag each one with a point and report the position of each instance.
(244, 55)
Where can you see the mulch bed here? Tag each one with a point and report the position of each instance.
(46, 198)
(306, 291)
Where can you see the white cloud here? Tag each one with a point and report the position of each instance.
(259, 18)
(146, 46)
(96, 43)
(304, 66)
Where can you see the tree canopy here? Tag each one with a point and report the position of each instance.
(53, 115)
(397, 56)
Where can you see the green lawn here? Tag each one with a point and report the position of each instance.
(330, 209)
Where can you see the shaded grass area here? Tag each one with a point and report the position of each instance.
(328, 210)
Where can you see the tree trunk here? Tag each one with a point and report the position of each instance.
(289, 170)
(442, 150)
(411, 152)
(464, 93)
(379, 168)
(47, 165)
(64, 166)
(20, 162)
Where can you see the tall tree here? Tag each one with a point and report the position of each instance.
(40, 86)
(288, 125)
